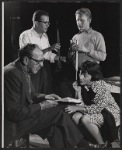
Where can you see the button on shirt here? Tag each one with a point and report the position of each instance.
(94, 42)
(31, 36)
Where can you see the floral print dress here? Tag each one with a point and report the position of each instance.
(103, 99)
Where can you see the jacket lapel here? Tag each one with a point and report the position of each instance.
(24, 80)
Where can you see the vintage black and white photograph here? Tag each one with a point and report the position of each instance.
(60, 74)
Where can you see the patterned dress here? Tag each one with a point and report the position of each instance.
(102, 99)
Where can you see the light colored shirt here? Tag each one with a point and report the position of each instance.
(94, 42)
(31, 36)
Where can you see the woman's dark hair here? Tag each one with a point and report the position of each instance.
(26, 50)
(92, 68)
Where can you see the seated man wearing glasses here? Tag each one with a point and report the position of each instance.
(37, 35)
(27, 112)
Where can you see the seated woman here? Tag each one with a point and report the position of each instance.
(90, 113)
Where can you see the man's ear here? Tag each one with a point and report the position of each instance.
(36, 23)
(25, 61)
(89, 21)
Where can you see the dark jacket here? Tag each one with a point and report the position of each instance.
(20, 113)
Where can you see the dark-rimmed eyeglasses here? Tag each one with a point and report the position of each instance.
(45, 22)
(37, 61)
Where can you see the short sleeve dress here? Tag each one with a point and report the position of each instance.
(102, 99)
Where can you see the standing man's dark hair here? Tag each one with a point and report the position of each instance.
(37, 15)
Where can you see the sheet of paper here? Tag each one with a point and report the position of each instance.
(69, 100)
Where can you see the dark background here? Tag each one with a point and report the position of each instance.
(106, 19)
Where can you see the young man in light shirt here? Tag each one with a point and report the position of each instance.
(37, 35)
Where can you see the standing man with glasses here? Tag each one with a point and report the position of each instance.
(37, 35)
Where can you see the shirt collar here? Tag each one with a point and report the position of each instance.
(32, 29)
(87, 31)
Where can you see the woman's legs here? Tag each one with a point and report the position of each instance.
(76, 117)
(92, 128)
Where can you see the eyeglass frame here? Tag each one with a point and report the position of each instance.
(45, 22)
(37, 61)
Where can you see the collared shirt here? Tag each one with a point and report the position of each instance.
(94, 42)
(31, 36)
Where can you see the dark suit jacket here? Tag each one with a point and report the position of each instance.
(22, 116)
(20, 113)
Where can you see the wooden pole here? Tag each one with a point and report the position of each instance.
(76, 63)
(58, 68)
(76, 67)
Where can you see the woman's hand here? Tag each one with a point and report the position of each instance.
(76, 87)
(74, 108)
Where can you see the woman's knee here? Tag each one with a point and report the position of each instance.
(76, 117)
(85, 119)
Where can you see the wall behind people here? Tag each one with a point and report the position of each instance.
(106, 19)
